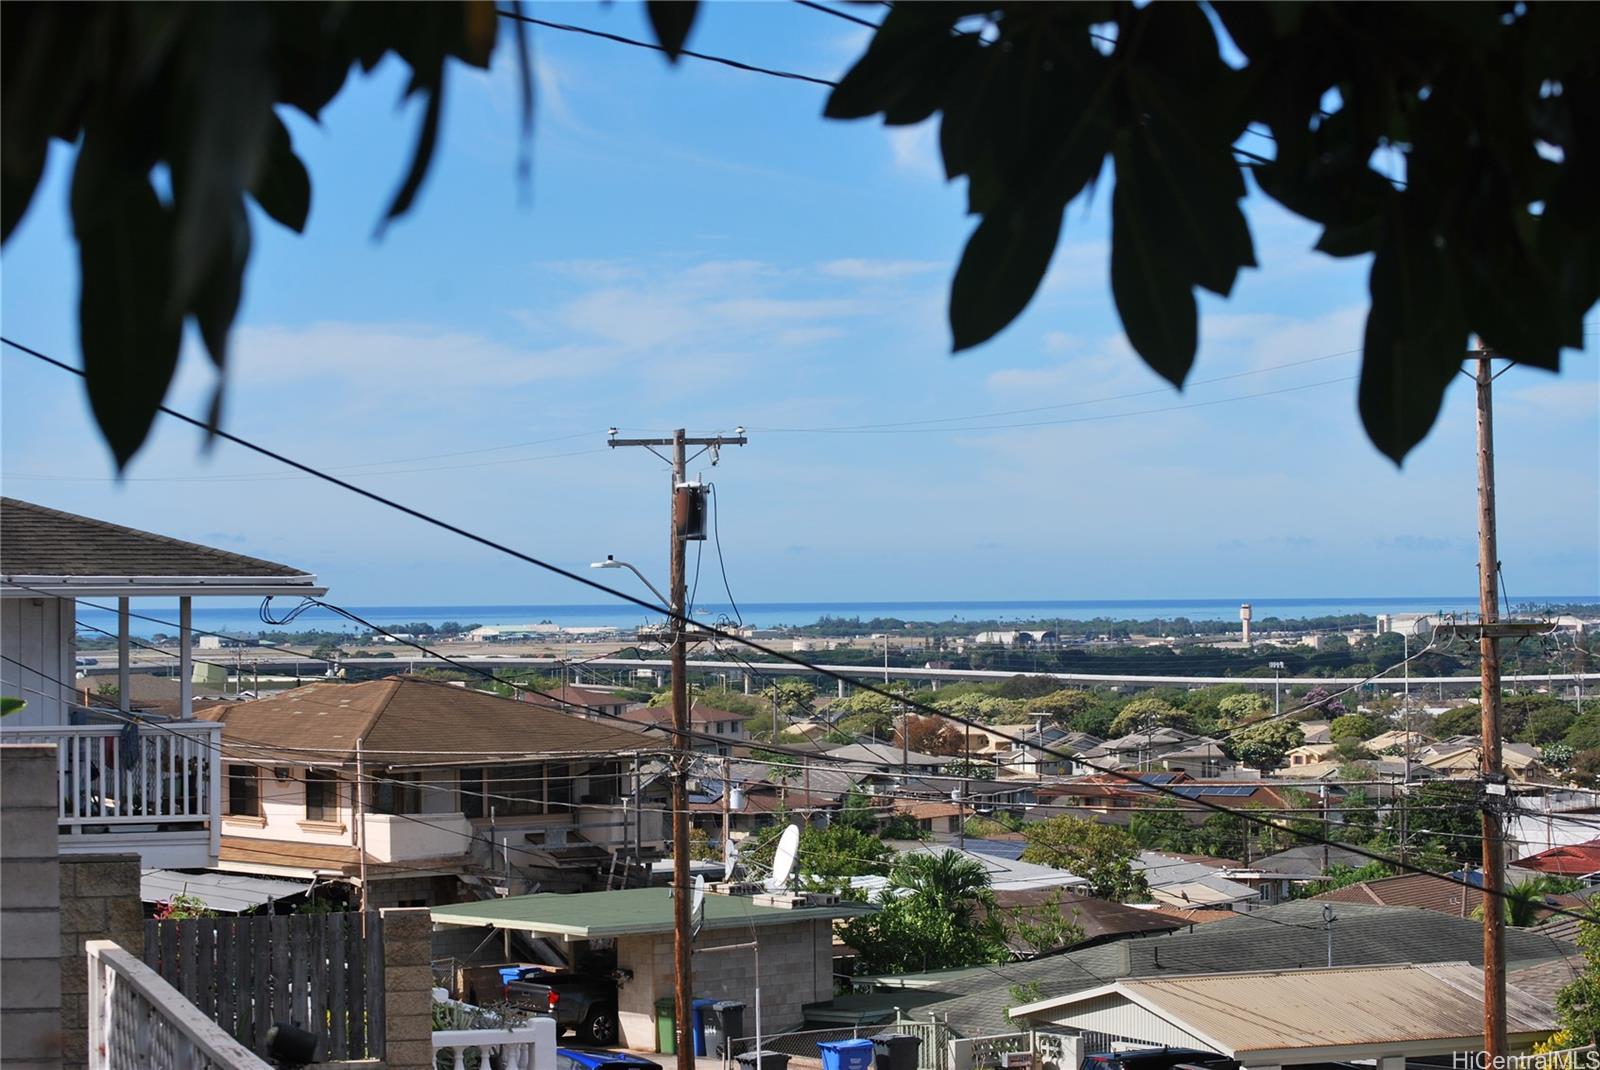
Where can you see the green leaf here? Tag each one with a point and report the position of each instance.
(216, 302)
(282, 187)
(1001, 269)
(672, 20)
(1416, 336)
(9, 705)
(906, 70)
(126, 323)
(1154, 298)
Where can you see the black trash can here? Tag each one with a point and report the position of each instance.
(763, 1060)
(896, 1051)
(724, 1024)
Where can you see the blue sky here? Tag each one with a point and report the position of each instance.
(698, 247)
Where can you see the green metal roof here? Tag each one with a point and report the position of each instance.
(594, 915)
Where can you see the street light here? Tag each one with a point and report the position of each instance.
(612, 562)
(1277, 701)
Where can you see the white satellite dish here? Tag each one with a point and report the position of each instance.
(697, 906)
(783, 859)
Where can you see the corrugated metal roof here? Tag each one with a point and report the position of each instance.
(1284, 1010)
(592, 915)
(226, 893)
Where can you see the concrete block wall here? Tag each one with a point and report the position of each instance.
(30, 909)
(796, 969)
(99, 896)
(407, 988)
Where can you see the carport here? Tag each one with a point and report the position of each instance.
(1282, 1018)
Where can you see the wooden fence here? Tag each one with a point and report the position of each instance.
(322, 972)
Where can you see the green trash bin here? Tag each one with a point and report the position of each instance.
(667, 1025)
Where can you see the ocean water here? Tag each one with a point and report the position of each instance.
(775, 614)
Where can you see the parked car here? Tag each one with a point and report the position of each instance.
(574, 1059)
(583, 1003)
(1159, 1059)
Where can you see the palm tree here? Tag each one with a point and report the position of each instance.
(1524, 900)
(949, 883)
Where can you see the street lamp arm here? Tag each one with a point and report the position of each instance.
(611, 562)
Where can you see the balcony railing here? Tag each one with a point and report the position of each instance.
(530, 1046)
(154, 786)
(137, 1020)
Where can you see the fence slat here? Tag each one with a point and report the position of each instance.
(152, 944)
(300, 967)
(249, 935)
(318, 990)
(376, 1040)
(206, 993)
(228, 976)
(338, 1007)
(261, 978)
(281, 1005)
(188, 964)
(356, 986)
(169, 951)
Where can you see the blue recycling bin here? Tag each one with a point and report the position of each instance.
(846, 1054)
(702, 1010)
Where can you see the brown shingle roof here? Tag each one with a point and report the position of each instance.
(697, 715)
(404, 721)
(36, 541)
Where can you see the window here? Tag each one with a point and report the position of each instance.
(244, 791)
(398, 793)
(516, 790)
(471, 789)
(558, 789)
(322, 795)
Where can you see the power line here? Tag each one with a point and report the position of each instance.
(737, 65)
(709, 631)
(846, 16)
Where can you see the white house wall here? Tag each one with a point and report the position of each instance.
(1117, 1016)
(42, 634)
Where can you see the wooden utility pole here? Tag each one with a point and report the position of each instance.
(684, 502)
(1494, 957)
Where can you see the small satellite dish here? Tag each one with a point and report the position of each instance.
(730, 859)
(697, 906)
(783, 860)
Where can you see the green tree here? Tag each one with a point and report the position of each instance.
(1340, 875)
(1585, 731)
(1441, 815)
(1460, 721)
(1222, 836)
(1144, 714)
(796, 698)
(1047, 927)
(1101, 854)
(1578, 1004)
(1266, 745)
(826, 858)
(1241, 708)
(938, 912)
(1353, 726)
(1547, 724)
(1524, 901)
(1161, 826)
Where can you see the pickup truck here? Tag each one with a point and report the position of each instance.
(583, 1003)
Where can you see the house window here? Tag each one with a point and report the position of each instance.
(244, 791)
(398, 793)
(471, 788)
(322, 795)
(558, 793)
(516, 790)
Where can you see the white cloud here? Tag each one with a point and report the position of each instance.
(858, 269)
(1559, 399)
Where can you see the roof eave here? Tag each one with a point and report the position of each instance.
(12, 586)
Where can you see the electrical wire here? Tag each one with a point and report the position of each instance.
(716, 532)
(682, 621)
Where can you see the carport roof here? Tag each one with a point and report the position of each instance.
(1300, 1016)
(594, 915)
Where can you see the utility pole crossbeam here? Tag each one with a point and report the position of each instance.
(678, 625)
(1494, 960)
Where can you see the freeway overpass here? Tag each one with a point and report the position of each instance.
(268, 662)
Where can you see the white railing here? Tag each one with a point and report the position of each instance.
(167, 774)
(139, 1022)
(530, 1046)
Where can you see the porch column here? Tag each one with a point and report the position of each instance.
(124, 681)
(186, 661)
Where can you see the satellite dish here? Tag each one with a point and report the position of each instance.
(730, 859)
(697, 906)
(783, 860)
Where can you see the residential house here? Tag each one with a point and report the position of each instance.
(1141, 750)
(403, 785)
(1039, 752)
(1579, 860)
(588, 701)
(1101, 920)
(1288, 936)
(1311, 754)
(1459, 756)
(1431, 893)
(1281, 873)
(1382, 1014)
(727, 726)
(630, 932)
(1192, 880)
(1202, 760)
(885, 757)
(149, 783)
(1006, 874)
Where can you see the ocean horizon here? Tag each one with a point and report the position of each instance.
(797, 614)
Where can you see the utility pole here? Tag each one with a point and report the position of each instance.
(688, 511)
(1494, 958)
